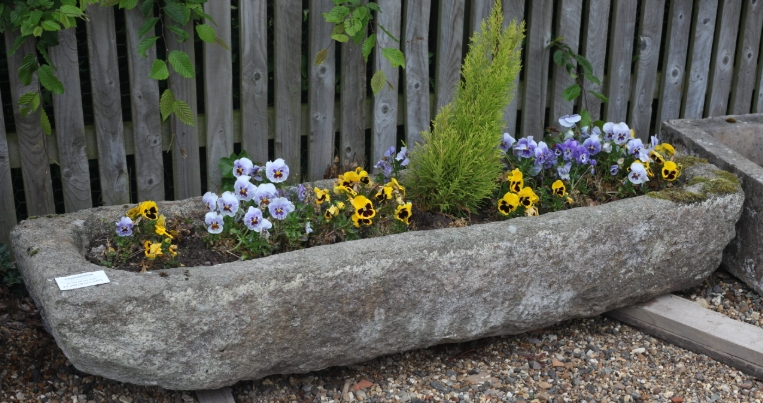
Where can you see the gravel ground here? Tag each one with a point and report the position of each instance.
(724, 293)
(583, 360)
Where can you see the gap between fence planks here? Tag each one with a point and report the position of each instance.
(352, 143)
(416, 50)
(568, 28)
(674, 54)
(287, 82)
(384, 132)
(649, 36)
(594, 49)
(253, 34)
(722, 62)
(620, 54)
(7, 205)
(695, 84)
(747, 53)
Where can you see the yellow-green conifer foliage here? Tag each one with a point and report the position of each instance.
(456, 167)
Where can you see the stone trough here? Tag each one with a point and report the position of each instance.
(207, 327)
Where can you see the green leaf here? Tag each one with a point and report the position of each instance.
(29, 98)
(395, 57)
(50, 25)
(599, 124)
(71, 11)
(128, 4)
(336, 15)
(226, 166)
(181, 63)
(159, 70)
(572, 92)
(206, 33)
(321, 57)
(183, 112)
(27, 68)
(340, 37)
(147, 25)
(45, 122)
(221, 43)
(592, 78)
(146, 7)
(582, 61)
(166, 102)
(353, 25)
(599, 95)
(179, 13)
(559, 58)
(49, 80)
(378, 81)
(17, 43)
(37, 31)
(181, 33)
(585, 119)
(373, 6)
(368, 45)
(145, 44)
(388, 33)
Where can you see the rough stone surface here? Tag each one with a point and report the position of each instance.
(735, 144)
(207, 327)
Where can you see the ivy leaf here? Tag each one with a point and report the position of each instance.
(321, 57)
(378, 81)
(166, 102)
(159, 70)
(206, 33)
(585, 119)
(599, 95)
(368, 45)
(179, 13)
(147, 7)
(183, 112)
(340, 37)
(180, 32)
(395, 57)
(145, 44)
(181, 63)
(571, 92)
(49, 80)
(45, 122)
(147, 26)
(27, 68)
(50, 25)
(128, 4)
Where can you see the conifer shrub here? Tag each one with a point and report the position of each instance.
(455, 169)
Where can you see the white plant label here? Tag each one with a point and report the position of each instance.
(82, 280)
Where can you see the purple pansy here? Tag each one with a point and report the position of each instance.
(280, 207)
(402, 156)
(227, 204)
(638, 174)
(609, 131)
(636, 148)
(301, 192)
(385, 167)
(569, 120)
(568, 149)
(593, 145)
(210, 200)
(390, 151)
(124, 226)
(277, 171)
(544, 156)
(256, 173)
(506, 142)
(525, 147)
(614, 169)
(253, 219)
(244, 189)
(214, 222)
(564, 171)
(264, 194)
(242, 166)
(581, 154)
(622, 133)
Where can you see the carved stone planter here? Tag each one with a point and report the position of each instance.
(206, 327)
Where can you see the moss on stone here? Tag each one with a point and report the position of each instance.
(678, 195)
(689, 160)
(697, 179)
(728, 176)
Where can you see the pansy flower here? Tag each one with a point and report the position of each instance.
(363, 176)
(301, 192)
(256, 173)
(308, 228)
(403, 213)
(265, 226)
(242, 166)
(152, 250)
(227, 204)
(568, 149)
(569, 120)
(564, 171)
(638, 174)
(402, 156)
(264, 194)
(544, 156)
(214, 221)
(525, 147)
(656, 157)
(527, 197)
(516, 181)
(330, 213)
(280, 207)
(614, 169)
(349, 191)
(621, 133)
(593, 145)
(531, 211)
(665, 148)
(558, 188)
(363, 207)
(385, 193)
(245, 190)
(508, 203)
(506, 142)
(210, 200)
(124, 226)
(636, 148)
(253, 219)
(277, 171)
(581, 154)
(671, 171)
(385, 167)
(173, 250)
(396, 186)
(358, 220)
(321, 195)
(390, 151)
(149, 210)
(161, 226)
(340, 205)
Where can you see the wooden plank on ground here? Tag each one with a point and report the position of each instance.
(620, 54)
(107, 106)
(650, 34)
(743, 87)
(595, 50)
(384, 133)
(416, 50)
(70, 125)
(7, 204)
(674, 56)
(253, 34)
(480, 10)
(450, 49)
(222, 395)
(38, 189)
(688, 325)
(722, 62)
(186, 169)
(288, 84)
(570, 12)
(218, 93)
(536, 68)
(352, 143)
(699, 58)
(322, 88)
(146, 118)
(513, 10)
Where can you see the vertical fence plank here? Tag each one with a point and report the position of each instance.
(722, 62)
(147, 122)
(218, 93)
(536, 67)
(107, 105)
(674, 56)
(650, 34)
(38, 189)
(568, 28)
(742, 89)
(253, 29)
(353, 94)
(416, 49)
(322, 90)
(186, 169)
(385, 103)
(70, 125)
(703, 20)
(595, 48)
(7, 205)
(288, 40)
(480, 11)
(513, 10)
(620, 58)
(757, 102)
(450, 47)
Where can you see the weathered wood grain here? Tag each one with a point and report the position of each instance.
(38, 189)
(743, 87)
(568, 28)
(218, 92)
(722, 62)
(513, 10)
(7, 204)
(416, 50)
(321, 92)
(288, 39)
(70, 122)
(595, 50)
(147, 120)
(536, 67)
(480, 10)
(674, 56)
(620, 55)
(450, 48)
(384, 133)
(650, 34)
(186, 169)
(757, 104)
(253, 31)
(352, 143)
(699, 58)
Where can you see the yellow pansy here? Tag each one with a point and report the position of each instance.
(363, 207)
(149, 210)
(671, 171)
(508, 203)
(527, 197)
(403, 213)
(656, 157)
(558, 188)
(152, 249)
(330, 213)
(395, 185)
(516, 180)
(161, 228)
(358, 221)
(385, 193)
(666, 149)
(321, 195)
(173, 250)
(363, 176)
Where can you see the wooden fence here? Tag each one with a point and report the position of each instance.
(660, 59)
